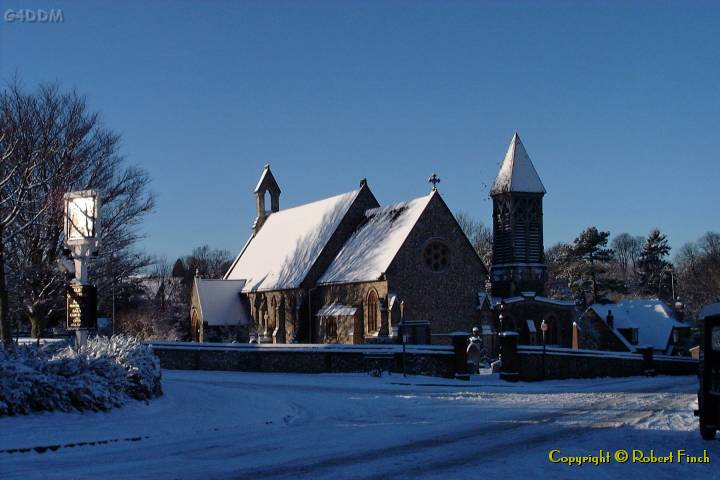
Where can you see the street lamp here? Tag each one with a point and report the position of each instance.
(500, 317)
(544, 329)
(405, 339)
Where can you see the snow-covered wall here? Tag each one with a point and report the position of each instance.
(311, 358)
(561, 363)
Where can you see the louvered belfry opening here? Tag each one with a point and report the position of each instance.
(517, 229)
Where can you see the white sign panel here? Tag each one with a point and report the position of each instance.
(81, 209)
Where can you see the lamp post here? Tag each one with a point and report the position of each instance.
(500, 317)
(544, 329)
(404, 361)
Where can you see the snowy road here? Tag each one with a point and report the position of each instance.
(244, 425)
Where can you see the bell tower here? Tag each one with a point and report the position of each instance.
(266, 184)
(518, 253)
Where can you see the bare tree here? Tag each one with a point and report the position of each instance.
(74, 152)
(626, 252)
(207, 262)
(479, 235)
(23, 139)
(698, 272)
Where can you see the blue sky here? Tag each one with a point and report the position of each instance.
(618, 104)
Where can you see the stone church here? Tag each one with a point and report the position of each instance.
(346, 270)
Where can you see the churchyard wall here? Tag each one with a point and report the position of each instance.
(528, 363)
(433, 360)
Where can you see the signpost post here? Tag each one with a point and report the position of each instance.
(405, 338)
(82, 222)
(544, 328)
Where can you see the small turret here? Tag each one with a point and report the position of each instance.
(266, 184)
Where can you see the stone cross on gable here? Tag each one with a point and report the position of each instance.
(434, 179)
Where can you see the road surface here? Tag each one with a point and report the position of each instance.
(270, 426)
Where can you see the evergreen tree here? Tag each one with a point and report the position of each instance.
(585, 265)
(178, 270)
(652, 264)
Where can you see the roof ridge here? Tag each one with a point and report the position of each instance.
(404, 202)
(356, 192)
(352, 262)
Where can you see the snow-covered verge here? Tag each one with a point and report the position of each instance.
(102, 374)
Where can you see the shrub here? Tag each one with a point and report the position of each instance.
(102, 374)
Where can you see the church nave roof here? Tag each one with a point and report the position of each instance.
(280, 255)
(367, 254)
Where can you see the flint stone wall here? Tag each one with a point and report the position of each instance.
(433, 360)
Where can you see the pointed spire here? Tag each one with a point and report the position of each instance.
(267, 181)
(517, 173)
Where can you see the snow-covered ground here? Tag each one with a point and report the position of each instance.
(251, 425)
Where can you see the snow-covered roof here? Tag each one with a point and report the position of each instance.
(220, 302)
(369, 251)
(336, 310)
(710, 310)
(517, 173)
(529, 297)
(281, 254)
(555, 301)
(653, 320)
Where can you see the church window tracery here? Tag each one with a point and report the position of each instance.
(372, 311)
(436, 256)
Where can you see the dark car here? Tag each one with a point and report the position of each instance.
(709, 372)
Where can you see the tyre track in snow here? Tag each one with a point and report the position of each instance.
(525, 438)
(500, 437)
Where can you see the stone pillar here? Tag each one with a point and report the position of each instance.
(510, 361)
(279, 335)
(296, 321)
(459, 342)
(648, 362)
(575, 336)
(384, 329)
